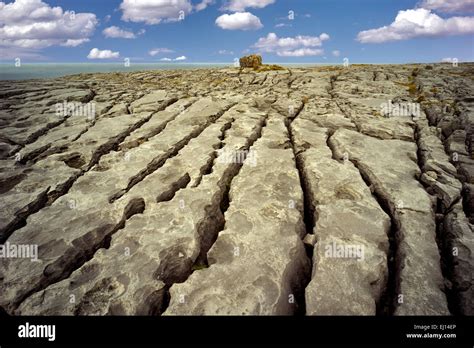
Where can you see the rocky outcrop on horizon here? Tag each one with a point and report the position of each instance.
(251, 61)
(320, 191)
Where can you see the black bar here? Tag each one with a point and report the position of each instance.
(228, 330)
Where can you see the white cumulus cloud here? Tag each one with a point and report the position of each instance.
(225, 52)
(74, 42)
(203, 5)
(239, 21)
(177, 59)
(118, 33)
(154, 11)
(301, 52)
(297, 46)
(336, 53)
(449, 6)
(95, 53)
(33, 24)
(281, 25)
(153, 52)
(241, 5)
(415, 23)
(449, 60)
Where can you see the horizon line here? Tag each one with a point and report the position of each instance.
(231, 63)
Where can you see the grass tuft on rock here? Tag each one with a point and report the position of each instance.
(268, 67)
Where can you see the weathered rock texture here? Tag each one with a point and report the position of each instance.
(317, 191)
(252, 61)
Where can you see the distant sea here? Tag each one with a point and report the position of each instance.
(48, 70)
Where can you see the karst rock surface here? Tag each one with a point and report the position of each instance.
(318, 191)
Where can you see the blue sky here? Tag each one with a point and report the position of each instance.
(322, 31)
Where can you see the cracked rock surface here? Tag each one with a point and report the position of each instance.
(305, 191)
